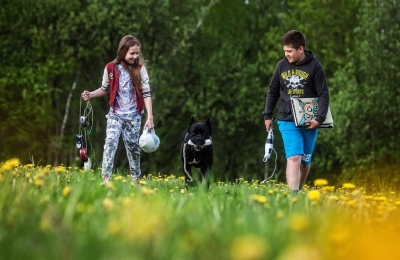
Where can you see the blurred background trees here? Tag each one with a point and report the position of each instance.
(205, 58)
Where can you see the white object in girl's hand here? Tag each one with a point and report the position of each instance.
(149, 141)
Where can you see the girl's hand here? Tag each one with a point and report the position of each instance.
(149, 124)
(86, 95)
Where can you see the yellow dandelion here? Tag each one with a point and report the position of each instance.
(340, 235)
(142, 182)
(30, 165)
(280, 214)
(380, 198)
(60, 169)
(335, 198)
(298, 222)
(301, 251)
(183, 191)
(397, 203)
(109, 186)
(320, 182)
(66, 191)
(349, 186)
(262, 199)
(328, 188)
(249, 247)
(147, 191)
(119, 177)
(107, 204)
(314, 195)
(9, 164)
(39, 182)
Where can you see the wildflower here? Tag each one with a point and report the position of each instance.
(349, 186)
(328, 188)
(39, 182)
(9, 164)
(60, 169)
(142, 182)
(320, 182)
(249, 248)
(262, 199)
(314, 195)
(280, 214)
(107, 204)
(109, 186)
(380, 198)
(298, 222)
(183, 191)
(66, 191)
(147, 191)
(119, 177)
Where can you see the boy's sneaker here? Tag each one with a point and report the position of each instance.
(105, 180)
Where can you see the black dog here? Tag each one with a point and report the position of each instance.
(197, 151)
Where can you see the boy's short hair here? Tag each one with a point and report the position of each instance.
(294, 39)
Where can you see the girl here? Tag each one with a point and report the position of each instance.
(127, 81)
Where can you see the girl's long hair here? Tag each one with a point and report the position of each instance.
(133, 70)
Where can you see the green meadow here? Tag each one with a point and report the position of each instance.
(64, 213)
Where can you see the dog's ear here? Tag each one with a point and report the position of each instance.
(208, 123)
(192, 121)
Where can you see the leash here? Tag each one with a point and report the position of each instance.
(269, 148)
(85, 129)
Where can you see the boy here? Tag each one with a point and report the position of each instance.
(299, 74)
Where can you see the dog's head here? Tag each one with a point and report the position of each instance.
(199, 134)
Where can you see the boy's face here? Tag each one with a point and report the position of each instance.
(293, 55)
(132, 54)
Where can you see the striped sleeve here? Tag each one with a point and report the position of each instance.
(145, 82)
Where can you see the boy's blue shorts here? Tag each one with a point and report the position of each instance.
(298, 141)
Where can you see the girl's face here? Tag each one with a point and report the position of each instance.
(132, 54)
(293, 55)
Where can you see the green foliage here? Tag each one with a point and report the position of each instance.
(367, 103)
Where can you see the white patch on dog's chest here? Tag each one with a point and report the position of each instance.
(194, 162)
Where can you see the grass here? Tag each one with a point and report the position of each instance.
(64, 213)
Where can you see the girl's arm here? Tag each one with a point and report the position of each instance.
(86, 95)
(149, 109)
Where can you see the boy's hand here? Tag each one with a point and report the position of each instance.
(312, 124)
(268, 124)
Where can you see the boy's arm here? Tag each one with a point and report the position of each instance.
(272, 96)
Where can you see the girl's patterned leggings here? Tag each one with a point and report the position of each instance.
(130, 130)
